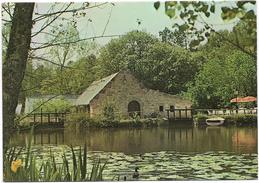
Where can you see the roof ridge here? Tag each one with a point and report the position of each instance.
(94, 89)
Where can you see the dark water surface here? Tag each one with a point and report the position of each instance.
(180, 152)
(130, 141)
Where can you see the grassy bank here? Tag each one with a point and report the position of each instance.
(238, 119)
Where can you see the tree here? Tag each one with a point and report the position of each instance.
(16, 59)
(124, 52)
(158, 65)
(19, 42)
(55, 105)
(82, 71)
(194, 16)
(217, 82)
(175, 37)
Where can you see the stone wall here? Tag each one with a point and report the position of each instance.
(125, 88)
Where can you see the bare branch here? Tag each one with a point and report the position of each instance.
(44, 27)
(60, 65)
(70, 42)
(5, 38)
(38, 86)
(107, 21)
(43, 16)
(8, 12)
(8, 21)
(229, 41)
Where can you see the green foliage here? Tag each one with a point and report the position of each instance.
(124, 52)
(157, 5)
(200, 118)
(175, 37)
(236, 119)
(108, 112)
(59, 105)
(197, 11)
(216, 83)
(245, 119)
(79, 117)
(136, 119)
(50, 170)
(157, 64)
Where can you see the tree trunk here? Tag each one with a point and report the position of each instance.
(16, 58)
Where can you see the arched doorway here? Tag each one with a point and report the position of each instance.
(134, 108)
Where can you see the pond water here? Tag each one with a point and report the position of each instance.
(179, 152)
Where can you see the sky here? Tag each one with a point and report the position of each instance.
(123, 18)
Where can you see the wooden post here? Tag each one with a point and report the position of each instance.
(244, 111)
(56, 115)
(63, 138)
(180, 115)
(174, 113)
(41, 115)
(34, 118)
(34, 138)
(48, 117)
(174, 133)
(56, 138)
(41, 138)
(186, 112)
(49, 138)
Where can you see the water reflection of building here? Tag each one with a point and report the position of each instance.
(181, 139)
(244, 138)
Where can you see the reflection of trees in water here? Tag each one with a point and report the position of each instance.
(184, 139)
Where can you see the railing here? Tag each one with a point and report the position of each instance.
(48, 117)
(226, 111)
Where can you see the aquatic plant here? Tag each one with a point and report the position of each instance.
(26, 168)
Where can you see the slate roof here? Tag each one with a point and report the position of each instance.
(95, 88)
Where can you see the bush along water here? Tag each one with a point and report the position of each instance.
(26, 168)
(238, 119)
(109, 121)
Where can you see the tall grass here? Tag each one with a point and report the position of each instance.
(49, 170)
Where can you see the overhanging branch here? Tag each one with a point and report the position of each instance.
(71, 42)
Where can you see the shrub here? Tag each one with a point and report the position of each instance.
(238, 119)
(108, 113)
(200, 118)
(79, 117)
(245, 119)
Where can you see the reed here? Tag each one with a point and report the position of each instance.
(20, 168)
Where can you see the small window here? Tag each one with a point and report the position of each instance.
(161, 108)
(171, 108)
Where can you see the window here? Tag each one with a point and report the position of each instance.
(161, 108)
(171, 108)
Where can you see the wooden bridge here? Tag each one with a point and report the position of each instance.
(47, 119)
(180, 114)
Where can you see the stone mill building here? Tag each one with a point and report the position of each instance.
(128, 95)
